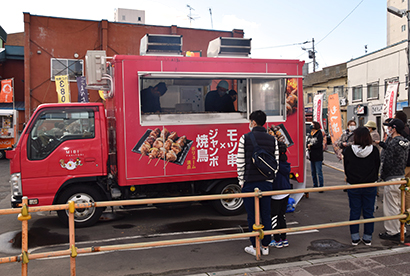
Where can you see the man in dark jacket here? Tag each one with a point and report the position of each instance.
(394, 162)
(250, 178)
(150, 98)
(315, 148)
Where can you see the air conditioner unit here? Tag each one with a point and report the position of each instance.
(156, 44)
(95, 68)
(229, 47)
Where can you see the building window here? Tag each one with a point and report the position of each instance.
(309, 98)
(403, 28)
(72, 67)
(339, 90)
(373, 91)
(139, 18)
(357, 93)
(123, 17)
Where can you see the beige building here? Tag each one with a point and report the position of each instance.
(396, 26)
(330, 80)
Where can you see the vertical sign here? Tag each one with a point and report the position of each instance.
(63, 89)
(318, 109)
(335, 120)
(82, 91)
(389, 103)
(6, 95)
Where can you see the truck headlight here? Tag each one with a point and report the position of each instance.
(15, 183)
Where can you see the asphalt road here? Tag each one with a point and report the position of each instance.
(151, 224)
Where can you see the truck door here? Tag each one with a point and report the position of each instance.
(61, 144)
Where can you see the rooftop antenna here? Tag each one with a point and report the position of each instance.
(189, 16)
(212, 24)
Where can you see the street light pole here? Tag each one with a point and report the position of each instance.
(401, 13)
(408, 52)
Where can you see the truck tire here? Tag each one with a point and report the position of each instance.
(2, 154)
(81, 194)
(229, 206)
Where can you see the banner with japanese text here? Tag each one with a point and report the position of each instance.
(82, 91)
(335, 122)
(63, 89)
(390, 98)
(318, 109)
(6, 94)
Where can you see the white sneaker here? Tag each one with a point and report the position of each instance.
(250, 250)
(265, 251)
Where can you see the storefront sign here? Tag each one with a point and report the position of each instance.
(63, 89)
(361, 109)
(377, 109)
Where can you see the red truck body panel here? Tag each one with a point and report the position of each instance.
(213, 146)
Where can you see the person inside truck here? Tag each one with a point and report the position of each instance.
(218, 100)
(150, 98)
(58, 129)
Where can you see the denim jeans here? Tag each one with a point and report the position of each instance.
(361, 201)
(316, 168)
(264, 205)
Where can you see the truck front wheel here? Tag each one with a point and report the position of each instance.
(228, 206)
(81, 194)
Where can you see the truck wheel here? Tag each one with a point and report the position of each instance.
(2, 154)
(81, 194)
(228, 206)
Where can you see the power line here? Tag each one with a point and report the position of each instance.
(278, 46)
(341, 22)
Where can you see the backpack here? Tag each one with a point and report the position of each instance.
(263, 160)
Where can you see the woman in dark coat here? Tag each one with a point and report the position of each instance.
(361, 162)
(315, 148)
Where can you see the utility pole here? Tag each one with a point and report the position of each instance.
(212, 24)
(189, 16)
(314, 55)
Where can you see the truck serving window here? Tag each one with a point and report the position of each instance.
(204, 98)
(52, 128)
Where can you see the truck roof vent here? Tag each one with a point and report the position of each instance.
(157, 44)
(229, 47)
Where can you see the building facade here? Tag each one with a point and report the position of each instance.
(396, 27)
(330, 80)
(368, 77)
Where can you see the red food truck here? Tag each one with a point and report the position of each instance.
(89, 152)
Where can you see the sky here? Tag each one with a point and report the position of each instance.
(340, 28)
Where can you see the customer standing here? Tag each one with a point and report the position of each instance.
(315, 148)
(279, 203)
(394, 162)
(371, 126)
(250, 177)
(403, 117)
(347, 138)
(361, 165)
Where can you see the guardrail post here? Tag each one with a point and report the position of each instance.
(404, 188)
(24, 216)
(257, 224)
(71, 225)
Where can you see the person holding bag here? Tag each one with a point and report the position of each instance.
(315, 150)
